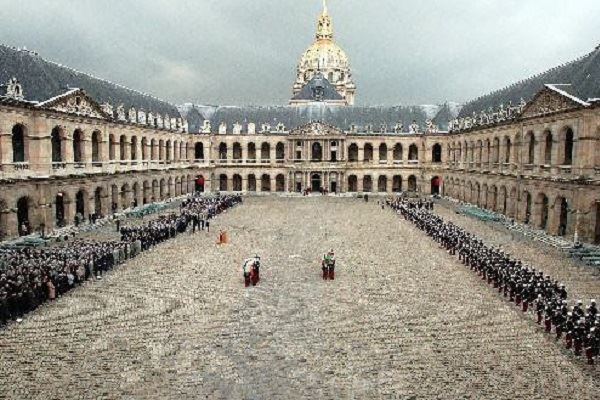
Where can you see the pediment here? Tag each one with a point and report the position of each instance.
(551, 100)
(76, 101)
(317, 129)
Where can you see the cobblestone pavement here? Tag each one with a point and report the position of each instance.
(402, 320)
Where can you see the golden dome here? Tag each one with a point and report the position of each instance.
(322, 55)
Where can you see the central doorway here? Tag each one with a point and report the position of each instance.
(316, 184)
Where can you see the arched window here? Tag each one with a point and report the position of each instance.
(531, 148)
(122, 144)
(352, 184)
(144, 145)
(367, 184)
(317, 152)
(252, 183)
(412, 183)
(353, 152)
(398, 152)
(280, 151)
(569, 147)
(222, 151)
(265, 152)
(199, 151)
(252, 152)
(18, 143)
(368, 153)
(548, 148)
(237, 183)
(382, 184)
(134, 148)
(436, 153)
(265, 183)
(397, 183)
(383, 150)
(237, 151)
(508, 150)
(280, 183)
(496, 151)
(96, 147)
(56, 144)
(413, 153)
(77, 146)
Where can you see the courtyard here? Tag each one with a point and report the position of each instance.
(402, 320)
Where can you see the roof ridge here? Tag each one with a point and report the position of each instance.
(535, 76)
(89, 75)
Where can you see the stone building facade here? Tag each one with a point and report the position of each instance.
(530, 151)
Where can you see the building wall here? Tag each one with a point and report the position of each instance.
(495, 167)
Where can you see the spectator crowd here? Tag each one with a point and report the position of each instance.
(31, 276)
(528, 289)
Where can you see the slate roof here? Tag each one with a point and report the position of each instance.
(294, 116)
(309, 89)
(582, 74)
(42, 79)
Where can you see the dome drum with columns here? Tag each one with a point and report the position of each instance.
(324, 57)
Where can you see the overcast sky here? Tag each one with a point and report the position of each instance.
(245, 51)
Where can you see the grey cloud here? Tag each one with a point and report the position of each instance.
(245, 52)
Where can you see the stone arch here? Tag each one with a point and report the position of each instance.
(352, 183)
(382, 184)
(561, 215)
(367, 184)
(507, 150)
(436, 184)
(161, 150)
(547, 143)
(96, 147)
(223, 182)
(24, 208)
(251, 151)
(530, 142)
(78, 156)
(543, 211)
(237, 183)
(251, 182)
(134, 148)
(280, 151)
(81, 204)
(413, 152)
(502, 201)
(397, 153)
(353, 152)
(155, 190)
(368, 152)
(122, 148)
(125, 196)
(163, 189)
(222, 151)
(99, 201)
(20, 144)
(383, 152)
(397, 183)
(265, 152)
(153, 150)
(57, 145)
(436, 153)
(144, 148)
(412, 183)
(199, 151)
(569, 146)
(265, 183)
(147, 192)
(237, 152)
(280, 183)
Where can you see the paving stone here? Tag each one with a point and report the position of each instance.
(402, 320)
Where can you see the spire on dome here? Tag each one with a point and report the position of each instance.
(324, 25)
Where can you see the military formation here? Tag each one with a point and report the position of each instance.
(31, 276)
(529, 289)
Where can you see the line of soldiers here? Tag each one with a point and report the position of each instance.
(29, 276)
(523, 285)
